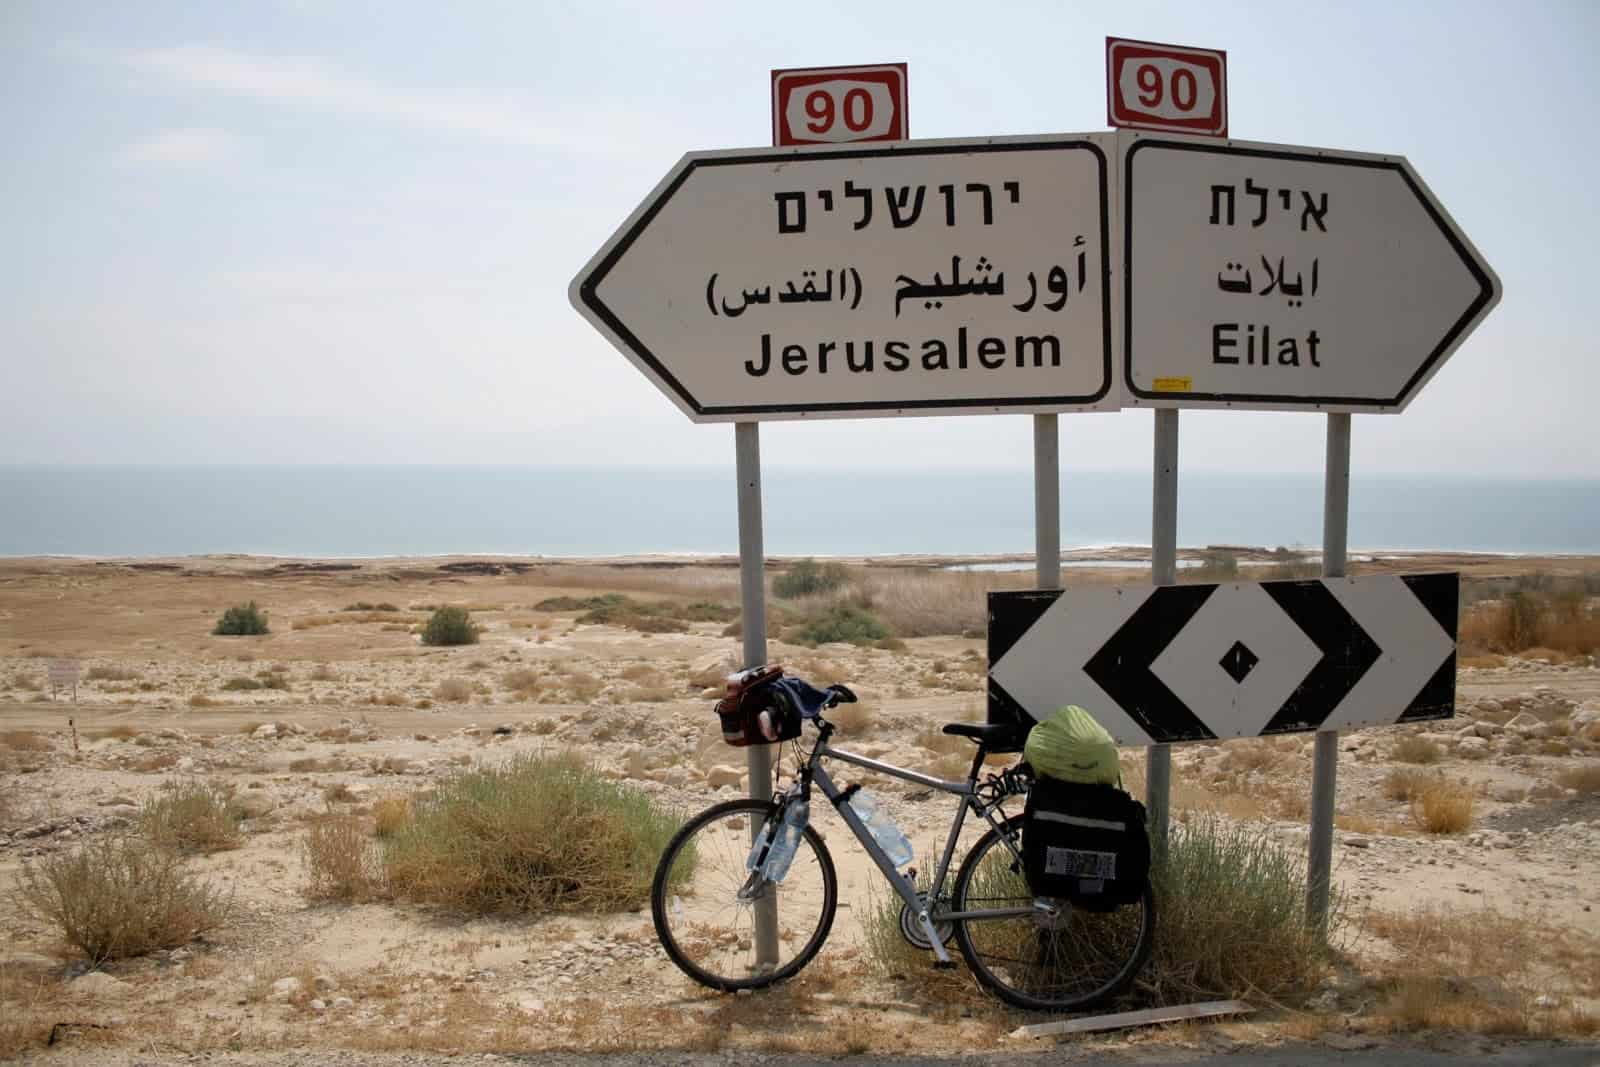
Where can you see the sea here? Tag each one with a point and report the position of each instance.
(374, 511)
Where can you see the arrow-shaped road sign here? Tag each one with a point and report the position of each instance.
(918, 278)
(1198, 662)
(1287, 278)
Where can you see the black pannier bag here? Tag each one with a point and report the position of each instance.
(1085, 843)
(756, 712)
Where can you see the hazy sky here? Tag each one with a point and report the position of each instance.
(342, 232)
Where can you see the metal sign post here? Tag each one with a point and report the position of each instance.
(1163, 571)
(753, 605)
(1325, 755)
(1046, 502)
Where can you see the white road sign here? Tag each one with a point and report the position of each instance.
(1199, 662)
(924, 277)
(1275, 277)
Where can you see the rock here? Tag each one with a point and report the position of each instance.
(118, 800)
(266, 732)
(1545, 1000)
(255, 805)
(285, 988)
(318, 1005)
(1349, 1042)
(358, 790)
(179, 955)
(1473, 746)
(343, 1003)
(1357, 842)
(1522, 721)
(185, 765)
(172, 733)
(724, 774)
(713, 670)
(531, 1006)
(23, 963)
(323, 983)
(97, 984)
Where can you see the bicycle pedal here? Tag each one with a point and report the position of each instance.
(944, 965)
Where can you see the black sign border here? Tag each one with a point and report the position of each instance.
(1485, 291)
(587, 289)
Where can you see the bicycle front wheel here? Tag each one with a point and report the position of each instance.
(1037, 961)
(705, 906)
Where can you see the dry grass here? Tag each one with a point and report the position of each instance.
(311, 622)
(200, 700)
(323, 673)
(389, 814)
(192, 816)
(342, 861)
(923, 603)
(1442, 807)
(1414, 748)
(120, 732)
(117, 897)
(1481, 971)
(1585, 779)
(536, 834)
(24, 741)
(453, 691)
(1542, 614)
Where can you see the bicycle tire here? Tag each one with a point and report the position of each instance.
(1079, 960)
(695, 943)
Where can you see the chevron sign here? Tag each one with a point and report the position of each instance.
(1201, 662)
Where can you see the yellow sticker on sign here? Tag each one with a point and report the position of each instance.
(1173, 385)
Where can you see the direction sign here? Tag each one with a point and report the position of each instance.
(830, 105)
(1166, 87)
(930, 277)
(1283, 278)
(1200, 662)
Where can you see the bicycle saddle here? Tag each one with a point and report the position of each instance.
(999, 736)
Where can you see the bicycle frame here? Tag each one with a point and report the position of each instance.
(814, 772)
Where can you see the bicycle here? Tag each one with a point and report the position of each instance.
(1036, 954)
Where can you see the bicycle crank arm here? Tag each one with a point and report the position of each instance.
(941, 958)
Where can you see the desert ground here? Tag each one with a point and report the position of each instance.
(1473, 927)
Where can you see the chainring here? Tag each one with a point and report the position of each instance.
(911, 928)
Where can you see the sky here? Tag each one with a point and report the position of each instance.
(319, 232)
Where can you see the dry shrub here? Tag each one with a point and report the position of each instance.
(1250, 756)
(389, 814)
(934, 739)
(311, 622)
(536, 834)
(24, 741)
(342, 861)
(1584, 779)
(1442, 807)
(200, 700)
(453, 691)
(112, 674)
(853, 718)
(1403, 784)
(120, 732)
(522, 679)
(338, 793)
(192, 816)
(925, 603)
(310, 764)
(1230, 906)
(323, 673)
(1414, 748)
(389, 700)
(117, 897)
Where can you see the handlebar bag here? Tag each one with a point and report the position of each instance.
(1086, 843)
(751, 693)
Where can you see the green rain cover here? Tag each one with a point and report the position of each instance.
(1071, 746)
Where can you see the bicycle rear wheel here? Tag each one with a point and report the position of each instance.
(704, 907)
(1068, 962)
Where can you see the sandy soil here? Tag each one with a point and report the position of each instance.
(364, 706)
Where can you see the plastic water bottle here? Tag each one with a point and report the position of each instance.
(882, 828)
(781, 854)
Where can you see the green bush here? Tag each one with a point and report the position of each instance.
(450, 626)
(242, 620)
(193, 817)
(843, 622)
(537, 834)
(808, 577)
(1231, 917)
(117, 897)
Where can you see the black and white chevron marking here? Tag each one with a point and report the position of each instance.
(1195, 662)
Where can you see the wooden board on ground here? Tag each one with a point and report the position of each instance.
(1124, 1019)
